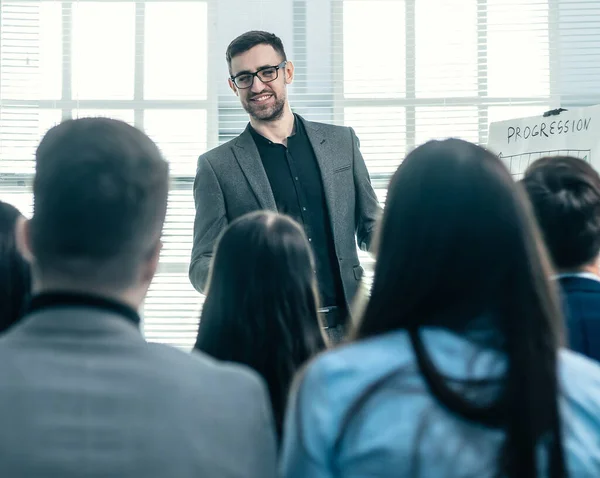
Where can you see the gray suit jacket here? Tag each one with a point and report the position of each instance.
(82, 394)
(231, 181)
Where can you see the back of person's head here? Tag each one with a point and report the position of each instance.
(261, 303)
(15, 281)
(565, 194)
(100, 198)
(458, 248)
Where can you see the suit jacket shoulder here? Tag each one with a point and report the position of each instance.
(579, 284)
(327, 127)
(168, 412)
(581, 306)
(232, 378)
(215, 153)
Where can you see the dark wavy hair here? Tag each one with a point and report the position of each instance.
(458, 242)
(565, 194)
(15, 279)
(261, 303)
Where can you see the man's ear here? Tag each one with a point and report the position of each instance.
(23, 239)
(289, 72)
(233, 87)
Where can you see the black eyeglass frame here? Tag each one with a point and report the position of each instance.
(255, 75)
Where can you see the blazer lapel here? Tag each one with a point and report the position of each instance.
(248, 158)
(325, 153)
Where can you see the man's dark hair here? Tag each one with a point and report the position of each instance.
(100, 199)
(249, 40)
(565, 194)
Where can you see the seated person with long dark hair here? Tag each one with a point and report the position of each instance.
(457, 369)
(15, 280)
(261, 304)
(565, 194)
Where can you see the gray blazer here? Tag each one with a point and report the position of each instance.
(231, 181)
(82, 394)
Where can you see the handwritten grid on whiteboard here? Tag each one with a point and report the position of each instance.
(518, 163)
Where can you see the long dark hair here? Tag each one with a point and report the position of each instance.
(261, 303)
(458, 242)
(15, 280)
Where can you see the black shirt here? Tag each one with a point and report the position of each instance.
(77, 299)
(295, 179)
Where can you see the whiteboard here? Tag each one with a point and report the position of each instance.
(520, 142)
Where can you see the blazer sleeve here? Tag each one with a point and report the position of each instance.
(368, 210)
(209, 222)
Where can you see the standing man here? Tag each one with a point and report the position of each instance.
(313, 172)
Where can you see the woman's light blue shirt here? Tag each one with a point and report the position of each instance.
(335, 428)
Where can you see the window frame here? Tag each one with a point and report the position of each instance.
(22, 182)
(410, 101)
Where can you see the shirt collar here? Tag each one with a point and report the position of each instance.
(580, 275)
(71, 299)
(298, 128)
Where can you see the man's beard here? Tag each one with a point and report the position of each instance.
(272, 113)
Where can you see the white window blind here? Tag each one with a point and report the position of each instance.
(144, 62)
(439, 68)
(399, 72)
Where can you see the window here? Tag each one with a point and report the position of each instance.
(399, 72)
(151, 71)
(415, 70)
(437, 69)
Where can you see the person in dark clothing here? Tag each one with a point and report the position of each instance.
(261, 303)
(565, 194)
(15, 280)
(313, 172)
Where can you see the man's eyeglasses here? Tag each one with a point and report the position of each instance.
(266, 75)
